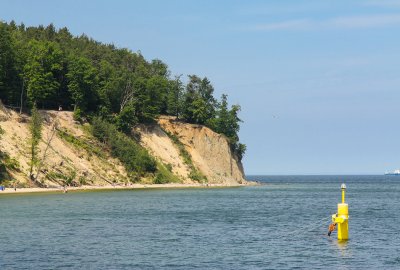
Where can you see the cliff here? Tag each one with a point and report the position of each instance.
(194, 153)
(208, 151)
(73, 155)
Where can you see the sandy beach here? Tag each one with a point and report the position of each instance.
(117, 187)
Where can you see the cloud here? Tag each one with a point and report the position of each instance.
(351, 22)
(285, 25)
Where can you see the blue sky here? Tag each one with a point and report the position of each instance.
(318, 81)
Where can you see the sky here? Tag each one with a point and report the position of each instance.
(318, 81)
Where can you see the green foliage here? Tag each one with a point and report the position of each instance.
(7, 164)
(35, 129)
(227, 123)
(69, 178)
(136, 159)
(3, 156)
(42, 70)
(11, 163)
(66, 179)
(240, 150)
(127, 118)
(164, 174)
(195, 175)
(78, 115)
(82, 82)
(174, 97)
(169, 167)
(83, 180)
(9, 73)
(154, 104)
(81, 143)
(199, 103)
(3, 172)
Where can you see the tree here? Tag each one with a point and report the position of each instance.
(199, 111)
(227, 123)
(9, 77)
(82, 83)
(50, 137)
(127, 90)
(35, 129)
(155, 97)
(199, 103)
(206, 91)
(240, 150)
(158, 68)
(127, 118)
(42, 71)
(221, 122)
(149, 96)
(108, 85)
(174, 97)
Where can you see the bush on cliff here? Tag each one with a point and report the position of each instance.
(136, 159)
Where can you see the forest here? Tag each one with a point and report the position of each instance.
(49, 68)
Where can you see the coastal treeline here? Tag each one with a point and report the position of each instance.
(48, 68)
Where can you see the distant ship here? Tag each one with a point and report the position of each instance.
(395, 172)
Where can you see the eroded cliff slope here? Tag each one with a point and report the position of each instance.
(194, 153)
(73, 156)
(209, 152)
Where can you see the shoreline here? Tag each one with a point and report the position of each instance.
(116, 187)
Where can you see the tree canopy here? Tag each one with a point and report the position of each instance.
(50, 67)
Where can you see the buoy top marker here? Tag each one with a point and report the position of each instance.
(343, 187)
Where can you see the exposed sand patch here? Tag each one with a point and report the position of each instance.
(210, 151)
(153, 138)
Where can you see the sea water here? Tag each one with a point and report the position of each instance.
(279, 225)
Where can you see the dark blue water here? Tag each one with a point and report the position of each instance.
(280, 225)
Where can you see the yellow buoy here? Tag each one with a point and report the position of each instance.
(342, 217)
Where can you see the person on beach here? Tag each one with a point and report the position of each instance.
(332, 227)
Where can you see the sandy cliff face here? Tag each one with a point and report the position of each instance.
(159, 145)
(63, 159)
(209, 151)
(74, 155)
